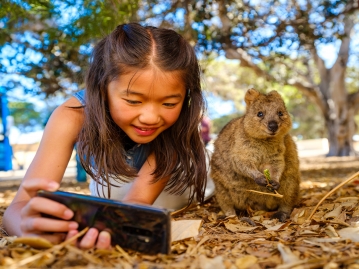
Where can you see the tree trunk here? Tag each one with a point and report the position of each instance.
(340, 136)
(338, 107)
(338, 112)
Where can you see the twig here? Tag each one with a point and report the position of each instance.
(188, 207)
(41, 254)
(276, 194)
(124, 254)
(203, 240)
(174, 213)
(331, 192)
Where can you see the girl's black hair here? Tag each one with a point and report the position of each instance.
(179, 150)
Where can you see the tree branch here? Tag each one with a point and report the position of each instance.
(319, 62)
(246, 61)
(311, 91)
(343, 54)
(352, 6)
(309, 75)
(226, 22)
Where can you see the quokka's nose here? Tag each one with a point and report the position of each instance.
(272, 126)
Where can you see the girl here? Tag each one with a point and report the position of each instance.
(137, 132)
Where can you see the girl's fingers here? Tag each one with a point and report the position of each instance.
(39, 224)
(89, 239)
(34, 185)
(71, 234)
(104, 240)
(39, 205)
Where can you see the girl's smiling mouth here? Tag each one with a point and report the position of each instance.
(145, 131)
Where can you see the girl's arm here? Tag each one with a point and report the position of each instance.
(143, 191)
(23, 217)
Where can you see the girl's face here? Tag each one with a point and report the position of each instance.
(145, 103)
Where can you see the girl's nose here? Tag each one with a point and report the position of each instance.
(149, 115)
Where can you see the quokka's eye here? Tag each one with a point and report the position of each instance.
(260, 114)
(280, 114)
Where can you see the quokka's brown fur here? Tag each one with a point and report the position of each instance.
(247, 146)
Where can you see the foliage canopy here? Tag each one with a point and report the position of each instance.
(279, 42)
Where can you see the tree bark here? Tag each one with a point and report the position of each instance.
(338, 112)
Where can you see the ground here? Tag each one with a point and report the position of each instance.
(329, 239)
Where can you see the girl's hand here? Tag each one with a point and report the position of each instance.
(34, 224)
(32, 221)
(93, 238)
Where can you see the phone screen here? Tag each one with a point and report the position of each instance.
(138, 227)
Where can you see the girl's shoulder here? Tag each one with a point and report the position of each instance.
(67, 118)
(74, 101)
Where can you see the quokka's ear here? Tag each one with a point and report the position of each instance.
(250, 96)
(274, 93)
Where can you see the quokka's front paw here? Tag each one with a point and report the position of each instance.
(261, 181)
(281, 216)
(230, 212)
(275, 184)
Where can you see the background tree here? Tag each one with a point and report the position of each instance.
(224, 79)
(280, 41)
(25, 116)
(49, 42)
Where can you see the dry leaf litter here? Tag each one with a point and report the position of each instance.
(204, 238)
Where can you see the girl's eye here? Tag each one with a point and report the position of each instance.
(169, 104)
(132, 102)
(260, 114)
(280, 114)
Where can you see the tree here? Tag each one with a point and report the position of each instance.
(49, 42)
(281, 41)
(25, 116)
(224, 79)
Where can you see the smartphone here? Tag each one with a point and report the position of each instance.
(142, 228)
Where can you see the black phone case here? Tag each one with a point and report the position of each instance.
(141, 228)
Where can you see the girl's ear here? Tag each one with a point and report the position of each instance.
(250, 96)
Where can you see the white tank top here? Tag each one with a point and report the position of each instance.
(164, 200)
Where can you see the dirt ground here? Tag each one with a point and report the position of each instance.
(329, 239)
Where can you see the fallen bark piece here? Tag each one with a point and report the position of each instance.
(351, 233)
(287, 255)
(331, 192)
(334, 213)
(183, 229)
